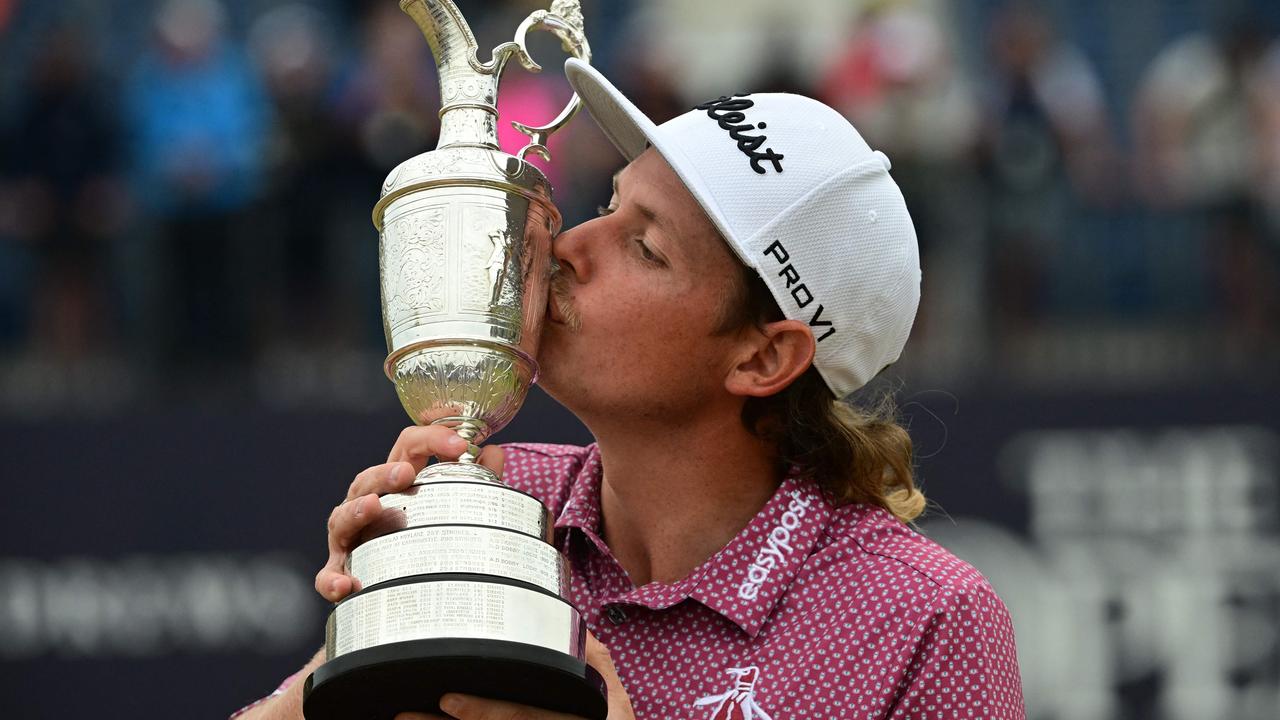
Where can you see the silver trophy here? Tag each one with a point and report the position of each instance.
(462, 590)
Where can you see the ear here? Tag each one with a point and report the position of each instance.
(772, 357)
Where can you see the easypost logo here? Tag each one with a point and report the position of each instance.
(777, 547)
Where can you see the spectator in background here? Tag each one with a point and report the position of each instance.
(1206, 131)
(65, 199)
(305, 158)
(1048, 155)
(200, 119)
(897, 79)
(389, 99)
(899, 82)
(385, 109)
(1268, 93)
(588, 158)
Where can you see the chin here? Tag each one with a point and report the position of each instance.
(568, 399)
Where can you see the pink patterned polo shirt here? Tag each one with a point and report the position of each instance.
(810, 612)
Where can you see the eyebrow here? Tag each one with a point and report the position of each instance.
(648, 212)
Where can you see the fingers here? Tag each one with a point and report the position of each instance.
(468, 707)
(345, 524)
(349, 521)
(416, 445)
(382, 479)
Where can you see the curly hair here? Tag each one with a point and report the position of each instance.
(856, 454)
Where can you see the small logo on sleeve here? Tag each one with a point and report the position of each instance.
(728, 113)
(738, 703)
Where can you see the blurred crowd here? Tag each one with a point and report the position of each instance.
(185, 190)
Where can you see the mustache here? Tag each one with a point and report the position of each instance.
(563, 298)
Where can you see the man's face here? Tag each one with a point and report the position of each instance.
(632, 327)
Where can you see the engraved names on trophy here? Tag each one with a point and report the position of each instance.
(442, 503)
(451, 608)
(457, 549)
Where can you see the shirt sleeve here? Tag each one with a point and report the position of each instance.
(966, 665)
(284, 685)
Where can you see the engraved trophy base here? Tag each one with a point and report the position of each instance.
(381, 681)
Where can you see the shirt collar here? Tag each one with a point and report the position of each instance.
(745, 579)
(582, 509)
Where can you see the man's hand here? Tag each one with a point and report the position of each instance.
(466, 707)
(349, 520)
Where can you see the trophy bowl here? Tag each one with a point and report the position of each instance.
(461, 588)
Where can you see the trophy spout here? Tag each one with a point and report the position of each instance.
(468, 89)
(447, 32)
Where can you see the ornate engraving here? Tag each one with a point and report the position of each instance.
(496, 268)
(476, 382)
(414, 271)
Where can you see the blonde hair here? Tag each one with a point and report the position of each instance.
(856, 454)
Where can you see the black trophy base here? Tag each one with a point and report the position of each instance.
(378, 682)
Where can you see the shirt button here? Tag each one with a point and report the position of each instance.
(616, 615)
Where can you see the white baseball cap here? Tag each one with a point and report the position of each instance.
(802, 199)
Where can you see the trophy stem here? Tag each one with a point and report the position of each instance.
(467, 429)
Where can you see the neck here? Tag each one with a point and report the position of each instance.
(673, 495)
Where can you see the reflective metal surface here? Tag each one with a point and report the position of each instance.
(464, 261)
(458, 549)
(453, 609)
(476, 503)
(465, 236)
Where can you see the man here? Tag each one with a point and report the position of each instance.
(736, 537)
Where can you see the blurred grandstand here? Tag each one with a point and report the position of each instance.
(184, 187)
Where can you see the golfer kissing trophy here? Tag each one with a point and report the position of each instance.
(461, 588)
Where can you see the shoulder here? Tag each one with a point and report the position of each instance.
(956, 644)
(878, 600)
(546, 471)
(896, 563)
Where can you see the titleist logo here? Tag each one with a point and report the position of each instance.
(728, 114)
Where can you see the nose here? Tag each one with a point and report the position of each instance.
(572, 250)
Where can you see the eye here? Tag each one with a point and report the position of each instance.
(649, 255)
(602, 210)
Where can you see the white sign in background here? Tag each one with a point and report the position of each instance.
(151, 605)
(1152, 556)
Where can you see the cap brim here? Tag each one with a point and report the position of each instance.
(632, 132)
(629, 129)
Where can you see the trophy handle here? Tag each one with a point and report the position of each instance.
(565, 21)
